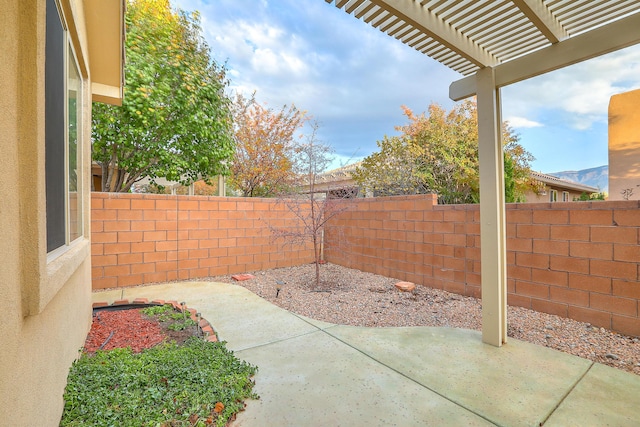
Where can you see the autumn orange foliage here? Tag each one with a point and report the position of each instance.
(263, 165)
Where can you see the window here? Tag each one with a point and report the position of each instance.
(565, 196)
(553, 195)
(54, 127)
(63, 95)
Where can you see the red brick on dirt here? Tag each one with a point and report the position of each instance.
(241, 277)
(405, 286)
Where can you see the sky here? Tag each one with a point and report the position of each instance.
(353, 79)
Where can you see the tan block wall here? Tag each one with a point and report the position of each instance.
(46, 303)
(144, 238)
(624, 145)
(577, 260)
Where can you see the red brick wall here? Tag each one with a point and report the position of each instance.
(142, 238)
(577, 260)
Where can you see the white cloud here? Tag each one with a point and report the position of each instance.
(352, 78)
(258, 49)
(347, 75)
(522, 122)
(578, 94)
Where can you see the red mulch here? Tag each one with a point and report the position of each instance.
(129, 329)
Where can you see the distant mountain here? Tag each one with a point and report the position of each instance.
(596, 177)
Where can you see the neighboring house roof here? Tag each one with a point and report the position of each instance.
(342, 175)
(564, 184)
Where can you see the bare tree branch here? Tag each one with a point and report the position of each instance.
(312, 206)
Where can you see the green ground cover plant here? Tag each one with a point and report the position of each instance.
(198, 383)
(166, 313)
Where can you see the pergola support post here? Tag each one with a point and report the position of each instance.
(222, 188)
(493, 253)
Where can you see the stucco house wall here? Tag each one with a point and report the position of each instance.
(624, 146)
(46, 298)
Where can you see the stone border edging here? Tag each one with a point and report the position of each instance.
(210, 334)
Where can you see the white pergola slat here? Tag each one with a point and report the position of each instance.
(486, 33)
(605, 39)
(496, 43)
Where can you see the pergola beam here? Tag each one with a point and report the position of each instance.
(609, 38)
(544, 21)
(427, 22)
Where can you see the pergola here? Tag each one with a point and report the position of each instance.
(495, 43)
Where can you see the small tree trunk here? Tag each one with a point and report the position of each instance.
(317, 261)
(105, 177)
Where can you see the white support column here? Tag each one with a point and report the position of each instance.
(492, 211)
(222, 189)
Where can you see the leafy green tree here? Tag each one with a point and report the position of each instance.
(584, 197)
(509, 181)
(393, 170)
(517, 172)
(438, 152)
(175, 121)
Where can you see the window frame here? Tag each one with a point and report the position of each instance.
(69, 59)
(55, 122)
(72, 59)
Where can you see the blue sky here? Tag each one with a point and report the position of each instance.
(353, 79)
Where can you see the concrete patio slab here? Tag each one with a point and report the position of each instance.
(605, 397)
(517, 384)
(109, 295)
(314, 373)
(317, 323)
(315, 380)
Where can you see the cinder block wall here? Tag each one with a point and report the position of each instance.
(143, 238)
(577, 260)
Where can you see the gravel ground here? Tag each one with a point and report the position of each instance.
(353, 297)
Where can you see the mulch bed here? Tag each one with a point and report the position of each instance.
(131, 328)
